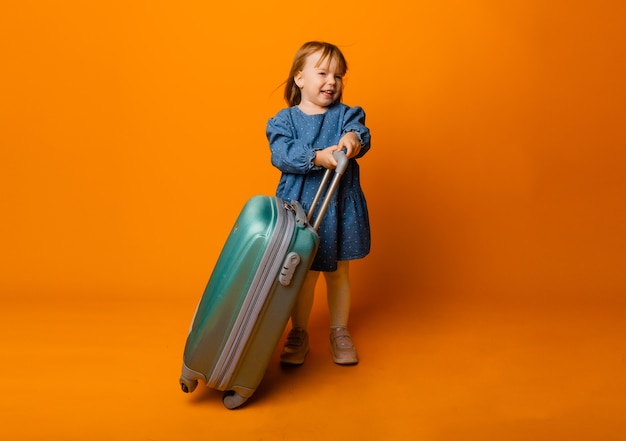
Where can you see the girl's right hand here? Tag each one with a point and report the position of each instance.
(324, 158)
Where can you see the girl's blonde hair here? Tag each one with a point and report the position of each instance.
(329, 52)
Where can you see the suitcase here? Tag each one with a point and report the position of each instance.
(251, 292)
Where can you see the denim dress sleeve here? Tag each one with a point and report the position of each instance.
(354, 121)
(289, 154)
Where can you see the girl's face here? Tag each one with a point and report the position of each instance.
(320, 84)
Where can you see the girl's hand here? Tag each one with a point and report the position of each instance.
(351, 143)
(324, 158)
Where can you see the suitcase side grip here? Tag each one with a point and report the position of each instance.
(288, 269)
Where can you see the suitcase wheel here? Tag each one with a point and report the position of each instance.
(187, 385)
(233, 400)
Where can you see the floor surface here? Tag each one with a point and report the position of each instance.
(107, 369)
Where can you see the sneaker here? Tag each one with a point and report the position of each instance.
(341, 347)
(296, 347)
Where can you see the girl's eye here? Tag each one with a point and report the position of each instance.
(338, 77)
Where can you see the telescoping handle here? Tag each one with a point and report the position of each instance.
(342, 164)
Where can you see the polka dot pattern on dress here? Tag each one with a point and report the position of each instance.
(294, 137)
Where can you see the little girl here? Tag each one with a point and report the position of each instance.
(302, 140)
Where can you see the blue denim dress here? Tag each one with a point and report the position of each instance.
(294, 137)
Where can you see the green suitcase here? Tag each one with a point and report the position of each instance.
(251, 292)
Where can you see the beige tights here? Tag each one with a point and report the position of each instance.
(338, 298)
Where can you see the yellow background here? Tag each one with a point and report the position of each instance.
(492, 305)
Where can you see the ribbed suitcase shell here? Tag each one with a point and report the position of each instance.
(248, 299)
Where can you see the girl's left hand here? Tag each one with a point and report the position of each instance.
(351, 143)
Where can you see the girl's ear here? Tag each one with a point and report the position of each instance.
(297, 78)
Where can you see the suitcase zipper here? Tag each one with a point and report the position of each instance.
(254, 300)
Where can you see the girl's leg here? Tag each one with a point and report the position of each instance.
(302, 309)
(338, 295)
(338, 284)
(297, 344)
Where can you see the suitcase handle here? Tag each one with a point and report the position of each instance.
(342, 164)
